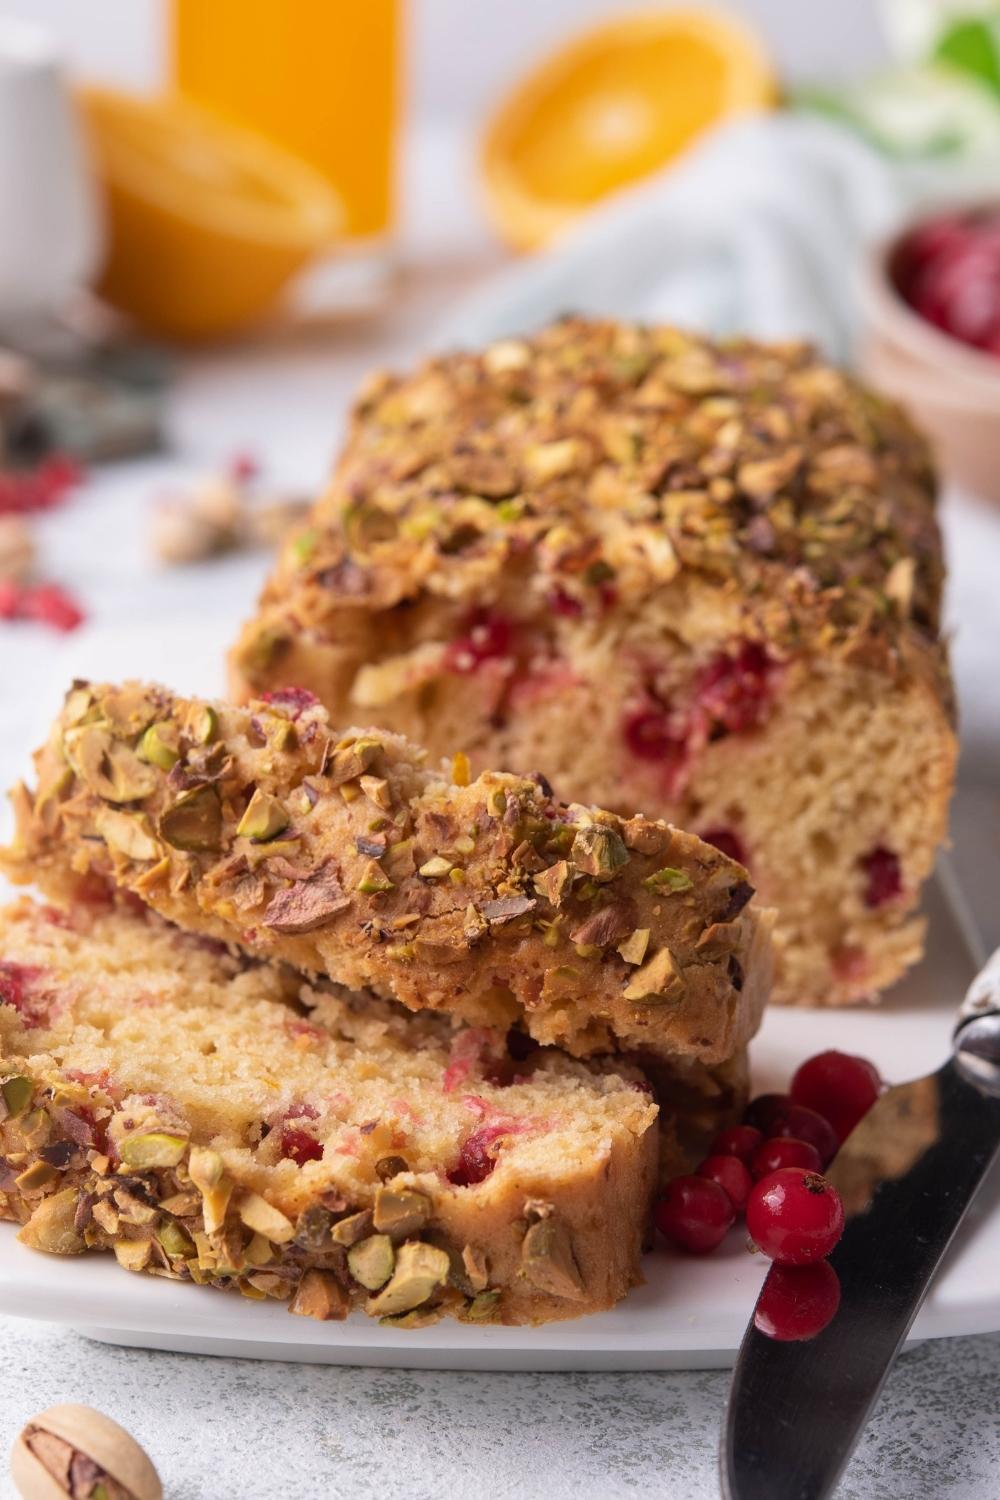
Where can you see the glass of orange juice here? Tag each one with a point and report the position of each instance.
(320, 78)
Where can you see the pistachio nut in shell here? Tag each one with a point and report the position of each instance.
(70, 1450)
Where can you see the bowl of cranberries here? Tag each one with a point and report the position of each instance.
(931, 319)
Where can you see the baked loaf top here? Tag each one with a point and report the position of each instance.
(346, 856)
(599, 461)
(214, 1119)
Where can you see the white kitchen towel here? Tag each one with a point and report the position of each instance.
(756, 229)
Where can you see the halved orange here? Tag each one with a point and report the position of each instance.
(206, 222)
(616, 104)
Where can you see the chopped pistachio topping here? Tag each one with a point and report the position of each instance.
(158, 746)
(435, 868)
(659, 978)
(194, 822)
(264, 818)
(17, 1091)
(668, 879)
(374, 880)
(263, 1218)
(420, 1270)
(371, 1261)
(633, 949)
(599, 851)
(153, 1148)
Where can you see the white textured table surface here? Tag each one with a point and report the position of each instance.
(234, 1430)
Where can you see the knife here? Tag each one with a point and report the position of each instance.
(907, 1174)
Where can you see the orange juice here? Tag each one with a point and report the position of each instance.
(318, 77)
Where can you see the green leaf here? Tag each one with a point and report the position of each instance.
(973, 46)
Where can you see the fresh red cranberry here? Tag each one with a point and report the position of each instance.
(761, 1110)
(40, 489)
(838, 1086)
(727, 842)
(797, 1302)
(295, 699)
(798, 1123)
(694, 1213)
(478, 1156)
(488, 635)
(648, 734)
(795, 1216)
(734, 691)
(300, 1145)
(738, 1140)
(732, 1176)
(786, 1151)
(948, 269)
(884, 877)
(243, 467)
(564, 604)
(778, 1115)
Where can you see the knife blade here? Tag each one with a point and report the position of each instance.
(907, 1174)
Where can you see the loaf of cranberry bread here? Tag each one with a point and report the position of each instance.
(213, 1120)
(697, 580)
(344, 855)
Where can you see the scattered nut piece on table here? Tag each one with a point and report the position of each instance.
(221, 514)
(77, 1451)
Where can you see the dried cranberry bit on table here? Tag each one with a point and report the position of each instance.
(732, 1176)
(884, 878)
(694, 1213)
(48, 603)
(797, 1302)
(839, 1086)
(795, 1216)
(784, 1151)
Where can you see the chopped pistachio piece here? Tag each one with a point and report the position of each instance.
(633, 949)
(548, 1262)
(599, 851)
(202, 723)
(658, 978)
(153, 1148)
(371, 1261)
(374, 880)
(17, 1091)
(434, 869)
(262, 1217)
(133, 1255)
(174, 1240)
(400, 1211)
(130, 834)
(668, 880)
(483, 1306)
(39, 1175)
(496, 802)
(52, 1226)
(320, 1295)
(194, 822)
(420, 1270)
(107, 766)
(348, 1231)
(205, 1168)
(158, 746)
(264, 818)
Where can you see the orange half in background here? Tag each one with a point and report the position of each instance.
(206, 222)
(613, 106)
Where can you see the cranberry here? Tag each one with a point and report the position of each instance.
(648, 734)
(733, 691)
(295, 699)
(564, 604)
(738, 1140)
(838, 1086)
(797, 1302)
(761, 1111)
(884, 877)
(785, 1151)
(778, 1115)
(727, 842)
(300, 1145)
(694, 1213)
(46, 602)
(488, 635)
(795, 1216)
(19, 989)
(243, 467)
(478, 1156)
(732, 1176)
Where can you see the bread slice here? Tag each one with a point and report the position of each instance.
(214, 1120)
(698, 580)
(345, 856)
